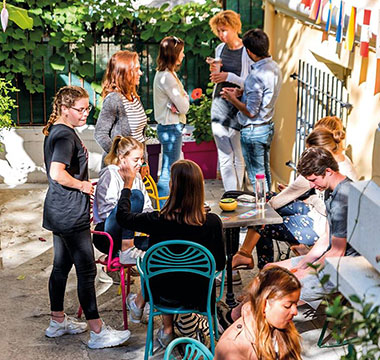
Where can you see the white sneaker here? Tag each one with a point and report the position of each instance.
(107, 337)
(67, 326)
(135, 313)
(130, 255)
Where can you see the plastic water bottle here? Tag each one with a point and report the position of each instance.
(260, 190)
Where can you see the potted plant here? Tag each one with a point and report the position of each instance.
(153, 148)
(202, 150)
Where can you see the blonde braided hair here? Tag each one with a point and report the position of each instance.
(66, 96)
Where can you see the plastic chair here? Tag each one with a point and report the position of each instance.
(190, 257)
(151, 188)
(113, 265)
(193, 350)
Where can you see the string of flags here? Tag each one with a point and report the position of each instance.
(345, 16)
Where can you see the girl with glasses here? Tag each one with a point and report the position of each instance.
(171, 103)
(67, 215)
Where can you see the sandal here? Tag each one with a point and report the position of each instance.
(248, 266)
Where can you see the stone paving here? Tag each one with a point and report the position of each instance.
(24, 305)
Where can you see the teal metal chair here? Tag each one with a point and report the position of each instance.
(193, 350)
(178, 256)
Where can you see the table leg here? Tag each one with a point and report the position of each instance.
(232, 244)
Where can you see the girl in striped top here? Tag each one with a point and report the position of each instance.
(122, 112)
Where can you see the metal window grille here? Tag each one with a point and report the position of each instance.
(319, 94)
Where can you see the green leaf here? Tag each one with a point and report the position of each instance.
(86, 69)
(36, 35)
(97, 87)
(355, 299)
(87, 56)
(164, 6)
(146, 34)
(166, 26)
(57, 62)
(20, 17)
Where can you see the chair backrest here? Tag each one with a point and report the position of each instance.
(177, 256)
(193, 350)
(151, 188)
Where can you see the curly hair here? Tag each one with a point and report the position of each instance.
(225, 18)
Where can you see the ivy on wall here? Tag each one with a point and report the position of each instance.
(72, 28)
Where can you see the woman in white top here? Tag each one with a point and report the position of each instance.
(236, 65)
(304, 221)
(171, 103)
(107, 194)
(122, 112)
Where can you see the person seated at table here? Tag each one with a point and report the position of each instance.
(304, 221)
(108, 190)
(265, 329)
(319, 167)
(183, 217)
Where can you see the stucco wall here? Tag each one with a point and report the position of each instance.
(291, 40)
(22, 158)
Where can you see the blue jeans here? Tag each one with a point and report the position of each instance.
(255, 144)
(170, 137)
(112, 227)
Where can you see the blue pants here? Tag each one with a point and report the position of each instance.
(112, 227)
(74, 249)
(296, 228)
(255, 144)
(170, 137)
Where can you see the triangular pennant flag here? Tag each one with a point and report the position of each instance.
(377, 81)
(339, 28)
(365, 34)
(315, 9)
(350, 35)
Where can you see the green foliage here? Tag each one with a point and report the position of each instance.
(66, 31)
(199, 116)
(7, 104)
(20, 17)
(358, 326)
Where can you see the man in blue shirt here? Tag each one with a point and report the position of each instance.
(256, 107)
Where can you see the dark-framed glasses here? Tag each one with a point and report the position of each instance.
(83, 110)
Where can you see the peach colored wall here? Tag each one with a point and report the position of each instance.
(292, 40)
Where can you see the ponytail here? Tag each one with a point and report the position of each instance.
(121, 146)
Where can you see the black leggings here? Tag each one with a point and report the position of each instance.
(77, 249)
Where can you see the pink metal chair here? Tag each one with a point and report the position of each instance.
(112, 265)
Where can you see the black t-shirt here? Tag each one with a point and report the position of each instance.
(66, 210)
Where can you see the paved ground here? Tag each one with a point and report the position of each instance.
(24, 306)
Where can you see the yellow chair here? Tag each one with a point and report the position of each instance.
(151, 188)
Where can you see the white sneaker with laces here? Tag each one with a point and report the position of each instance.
(130, 255)
(108, 337)
(67, 326)
(135, 313)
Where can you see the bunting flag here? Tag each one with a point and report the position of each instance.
(365, 35)
(350, 35)
(315, 9)
(307, 3)
(325, 33)
(377, 82)
(339, 28)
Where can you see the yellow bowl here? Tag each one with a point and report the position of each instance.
(228, 204)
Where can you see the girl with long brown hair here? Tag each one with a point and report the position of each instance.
(122, 112)
(67, 215)
(183, 217)
(171, 103)
(265, 330)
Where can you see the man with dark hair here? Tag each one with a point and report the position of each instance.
(256, 107)
(319, 167)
